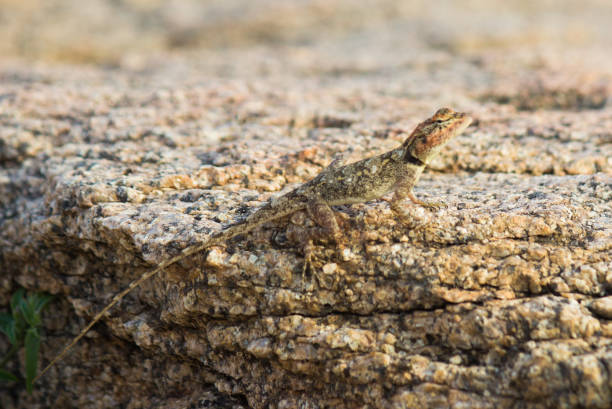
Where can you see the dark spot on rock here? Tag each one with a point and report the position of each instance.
(209, 158)
(108, 155)
(536, 195)
(57, 230)
(189, 197)
(242, 210)
(536, 96)
(67, 204)
(331, 122)
(122, 194)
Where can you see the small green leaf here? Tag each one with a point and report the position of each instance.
(28, 308)
(19, 328)
(7, 376)
(16, 300)
(41, 301)
(7, 325)
(32, 345)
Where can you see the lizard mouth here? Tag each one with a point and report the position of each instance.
(466, 120)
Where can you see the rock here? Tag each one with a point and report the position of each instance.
(500, 300)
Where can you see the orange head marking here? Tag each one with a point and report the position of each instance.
(432, 134)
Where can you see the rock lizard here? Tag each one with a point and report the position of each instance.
(395, 171)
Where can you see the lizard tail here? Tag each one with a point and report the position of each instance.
(247, 225)
(186, 252)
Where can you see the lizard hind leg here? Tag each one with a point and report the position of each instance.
(323, 215)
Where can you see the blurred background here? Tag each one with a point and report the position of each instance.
(383, 61)
(127, 32)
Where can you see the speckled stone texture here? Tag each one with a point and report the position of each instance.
(501, 300)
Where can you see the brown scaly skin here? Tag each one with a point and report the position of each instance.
(395, 171)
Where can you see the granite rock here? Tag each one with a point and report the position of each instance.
(501, 300)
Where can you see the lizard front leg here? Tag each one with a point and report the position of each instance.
(403, 192)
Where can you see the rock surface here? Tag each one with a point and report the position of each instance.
(502, 300)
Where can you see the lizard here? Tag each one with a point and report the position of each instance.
(397, 170)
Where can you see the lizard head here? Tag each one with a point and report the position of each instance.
(432, 134)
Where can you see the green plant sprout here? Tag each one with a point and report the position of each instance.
(22, 327)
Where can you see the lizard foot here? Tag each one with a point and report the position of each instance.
(434, 205)
(428, 205)
(308, 265)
